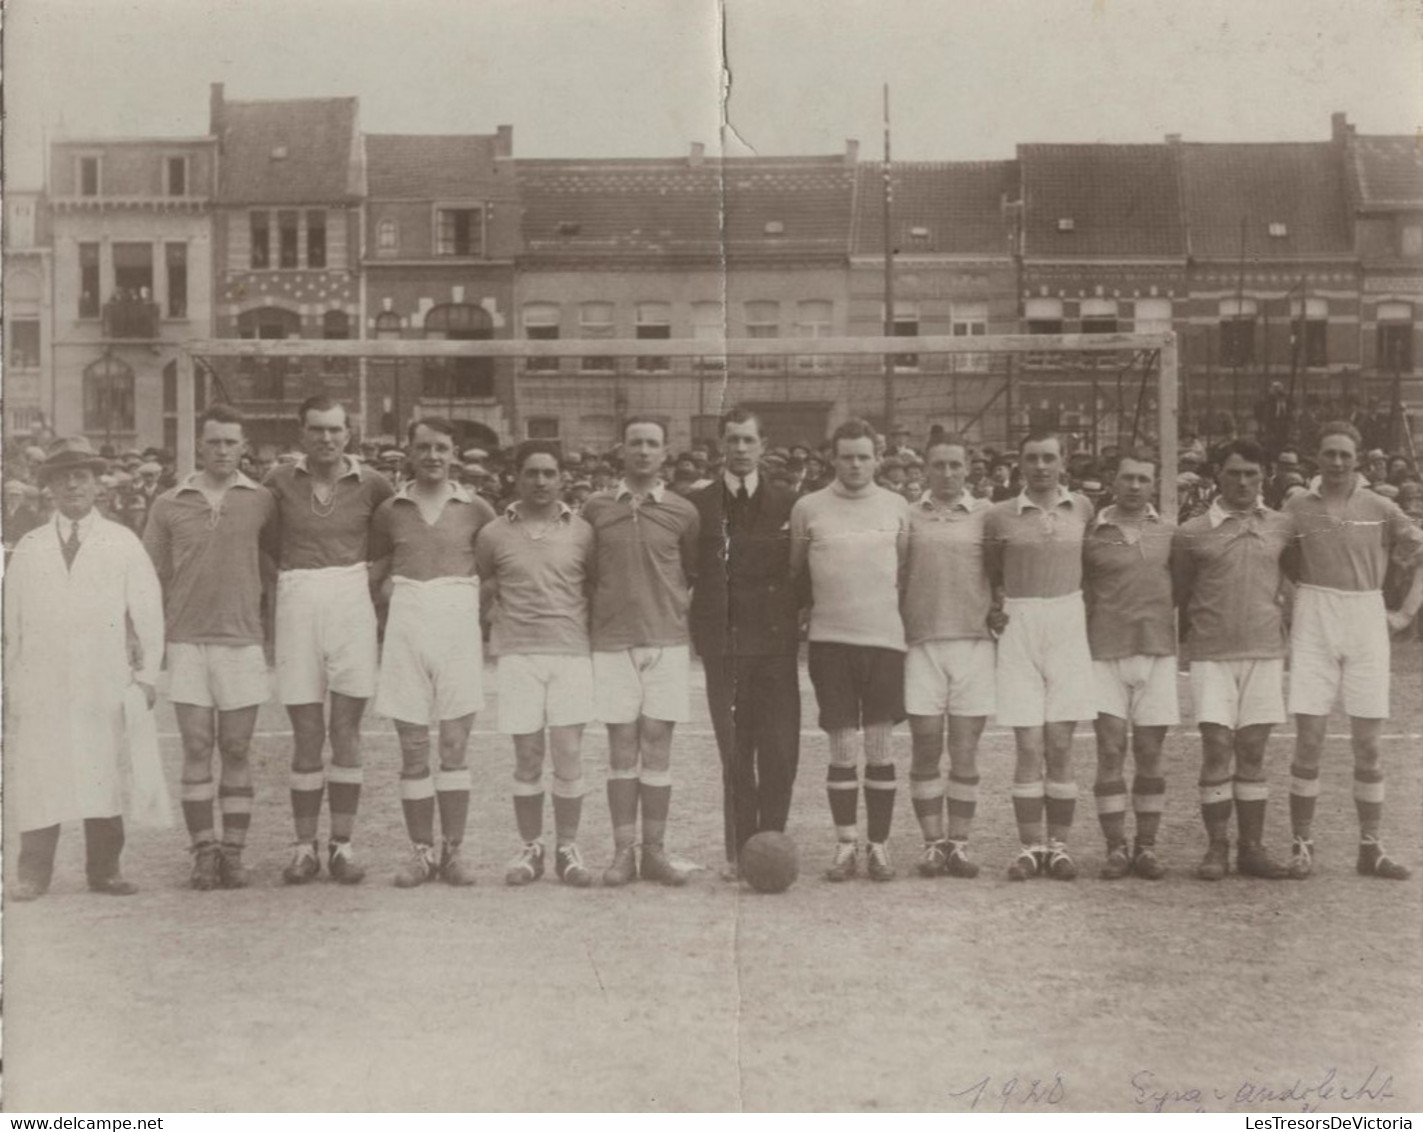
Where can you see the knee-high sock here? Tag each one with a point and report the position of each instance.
(567, 808)
(1061, 806)
(529, 809)
(879, 801)
(622, 806)
(1028, 811)
(1251, 796)
(1304, 792)
(842, 786)
(1217, 801)
(343, 794)
(452, 797)
(197, 809)
(1112, 810)
(962, 804)
(1148, 798)
(1368, 801)
(926, 791)
(235, 803)
(655, 794)
(306, 787)
(417, 800)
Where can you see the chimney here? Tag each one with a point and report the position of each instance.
(215, 110)
(1339, 127)
(1173, 139)
(504, 142)
(852, 151)
(698, 155)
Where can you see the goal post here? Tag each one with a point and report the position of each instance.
(1009, 380)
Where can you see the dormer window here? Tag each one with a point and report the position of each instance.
(89, 183)
(775, 228)
(279, 153)
(1278, 231)
(919, 233)
(175, 176)
(1066, 224)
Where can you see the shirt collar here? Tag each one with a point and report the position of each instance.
(733, 483)
(190, 482)
(565, 512)
(352, 467)
(1107, 517)
(621, 491)
(457, 492)
(1218, 514)
(86, 524)
(1063, 496)
(965, 502)
(1316, 485)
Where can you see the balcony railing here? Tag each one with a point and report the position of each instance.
(130, 318)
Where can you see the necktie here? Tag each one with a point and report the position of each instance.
(743, 496)
(70, 546)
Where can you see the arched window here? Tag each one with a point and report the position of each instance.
(450, 379)
(387, 325)
(387, 238)
(108, 396)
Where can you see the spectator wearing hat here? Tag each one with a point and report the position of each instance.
(73, 589)
(22, 513)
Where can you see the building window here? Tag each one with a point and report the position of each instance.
(763, 320)
(1411, 241)
(541, 325)
(542, 428)
(1237, 332)
(387, 325)
(1395, 337)
(654, 323)
(176, 258)
(458, 231)
(89, 182)
(316, 238)
(175, 176)
(1043, 316)
(906, 325)
(1099, 316)
(88, 280)
(108, 396)
(268, 375)
(261, 241)
(452, 379)
(25, 343)
(1309, 331)
(709, 325)
(288, 239)
(969, 320)
(1152, 316)
(595, 321)
(815, 318)
(387, 238)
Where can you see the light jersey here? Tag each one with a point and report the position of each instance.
(1039, 553)
(946, 590)
(421, 550)
(316, 535)
(540, 577)
(208, 560)
(1127, 587)
(1347, 547)
(853, 544)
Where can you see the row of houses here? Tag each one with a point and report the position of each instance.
(287, 221)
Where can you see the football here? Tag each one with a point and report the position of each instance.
(768, 862)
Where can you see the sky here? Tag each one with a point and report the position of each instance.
(613, 78)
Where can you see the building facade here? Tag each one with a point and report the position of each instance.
(29, 317)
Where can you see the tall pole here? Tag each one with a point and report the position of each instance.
(888, 274)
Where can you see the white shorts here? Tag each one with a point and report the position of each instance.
(1139, 689)
(1044, 664)
(227, 677)
(432, 663)
(326, 634)
(538, 690)
(954, 676)
(647, 681)
(1238, 693)
(1339, 641)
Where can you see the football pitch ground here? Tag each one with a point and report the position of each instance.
(920, 994)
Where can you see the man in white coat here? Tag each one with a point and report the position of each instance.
(74, 590)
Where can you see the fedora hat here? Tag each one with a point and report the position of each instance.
(71, 452)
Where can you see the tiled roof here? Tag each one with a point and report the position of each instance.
(1298, 185)
(426, 166)
(1388, 170)
(318, 136)
(953, 208)
(763, 206)
(1122, 201)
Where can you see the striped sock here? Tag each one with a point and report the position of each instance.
(879, 801)
(567, 808)
(655, 793)
(842, 785)
(1368, 801)
(343, 796)
(529, 810)
(962, 794)
(1112, 810)
(1028, 810)
(235, 804)
(926, 791)
(1304, 792)
(1148, 799)
(622, 805)
(417, 799)
(306, 787)
(1061, 806)
(1217, 800)
(1251, 796)
(452, 797)
(197, 809)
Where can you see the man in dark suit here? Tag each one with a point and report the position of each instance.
(745, 625)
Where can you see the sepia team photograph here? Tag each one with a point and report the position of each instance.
(759, 556)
